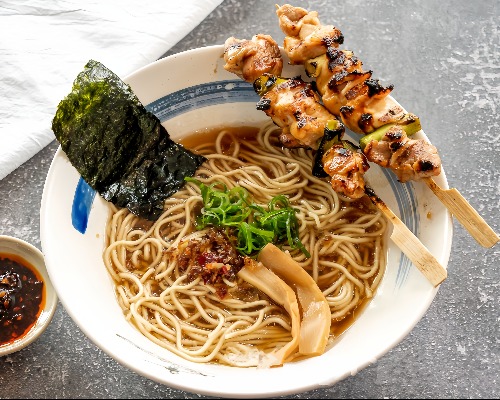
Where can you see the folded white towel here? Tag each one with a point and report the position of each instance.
(45, 44)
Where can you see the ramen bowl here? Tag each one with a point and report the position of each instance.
(190, 92)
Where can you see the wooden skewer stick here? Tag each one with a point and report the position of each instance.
(465, 214)
(410, 244)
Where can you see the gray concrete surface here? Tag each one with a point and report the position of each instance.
(443, 58)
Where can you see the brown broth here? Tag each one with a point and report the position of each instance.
(339, 327)
(209, 135)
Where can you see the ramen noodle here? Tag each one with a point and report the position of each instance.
(188, 315)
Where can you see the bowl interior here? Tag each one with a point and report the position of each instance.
(190, 92)
(17, 247)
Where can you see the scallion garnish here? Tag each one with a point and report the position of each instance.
(253, 225)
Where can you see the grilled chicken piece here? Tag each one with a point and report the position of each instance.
(349, 91)
(249, 59)
(346, 168)
(410, 159)
(289, 105)
(295, 107)
(305, 38)
(345, 88)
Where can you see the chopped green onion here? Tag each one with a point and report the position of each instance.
(252, 224)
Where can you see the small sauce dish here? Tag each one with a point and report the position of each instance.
(27, 298)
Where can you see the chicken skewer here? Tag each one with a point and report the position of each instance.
(366, 107)
(294, 107)
(361, 102)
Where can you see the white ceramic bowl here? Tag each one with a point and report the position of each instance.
(191, 91)
(19, 250)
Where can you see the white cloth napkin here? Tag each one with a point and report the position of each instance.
(44, 44)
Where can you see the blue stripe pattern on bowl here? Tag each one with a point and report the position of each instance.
(203, 95)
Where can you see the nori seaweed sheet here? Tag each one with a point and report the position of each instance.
(119, 148)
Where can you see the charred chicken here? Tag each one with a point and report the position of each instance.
(363, 104)
(295, 107)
